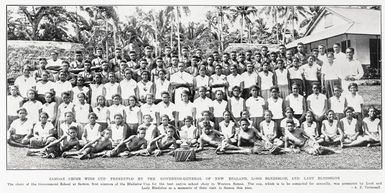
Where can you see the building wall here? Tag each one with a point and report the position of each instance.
(359, 42)
(361, 45)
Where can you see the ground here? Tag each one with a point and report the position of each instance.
(351, 158)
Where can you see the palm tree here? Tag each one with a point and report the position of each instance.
(174, 12)
(242, 13)
(314, 11)
(273, 12)
(222, 13)
(36, 14)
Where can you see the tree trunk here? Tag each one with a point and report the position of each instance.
(106, 41)
(220, 34)
(241, 28)
(292, 21)
(178, 30)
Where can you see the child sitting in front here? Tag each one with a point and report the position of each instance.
(269, 129)
(331, 130)
(188, 133)
(372, 127)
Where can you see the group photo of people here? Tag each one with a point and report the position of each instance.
(183, 101)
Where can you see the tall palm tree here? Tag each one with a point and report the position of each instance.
(243, 14)
(175, 12)
(314, 11)
(273, 13)
(222, 14)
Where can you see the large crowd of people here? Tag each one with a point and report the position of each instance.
(238, 102)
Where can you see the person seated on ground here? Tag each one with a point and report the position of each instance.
(206, 117)
(20, 131)
(352, 131)
(372, 127)
(331, 130)
(216, 139)
(289, 113)
(151, 130)
(92, 130)
(188, 133)
(165, 143)
(119, 130)
(58, 147)
(310, 125)
(43, 132)
(249, 136)
(132, 143)
(298, 138)
(269, 129)
(91, 149)
(228, 128)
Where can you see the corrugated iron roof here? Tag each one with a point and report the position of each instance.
(361, 21)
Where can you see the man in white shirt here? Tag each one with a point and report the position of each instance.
(181, 81)
(166, 107)
(250, 78)
(338, 55)
(25, 81)
(350, 70)
(54, 63)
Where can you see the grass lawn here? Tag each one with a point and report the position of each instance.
(351, 158)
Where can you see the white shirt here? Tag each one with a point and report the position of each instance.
(266, 80)
(51, 63)
(373, 126)
(281, 77)
(249, 79)
(181, 78)
(237, 106)
(50, 109)
(337, 105)
(354, 101)
(13, 104)
(267, 128)
(96, 90)
(255, 106)
(202, 105)
(92, 131)
(147, 109)
(132, 115)
(219, 108)
(185, 109)
(350, 68)
(349, 129)
(228, 130)
(330, 71)
(295, 73)
(296, 103)
(61, 87)
(43, 88)
(215, 79)
(162, 108)
(234, 80)
(115, 109)
(161, 86)
(187, 132)
(41, 131)
(275, 107)
(21, 127)
(81, 112)
(117, 132)
(111, 89)
(101, 112)
(202, 81)
(317, 103)
(330, 130)
(128, 88)
(33, 109)
(311, 130)
(310, 72)
(24, 84)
